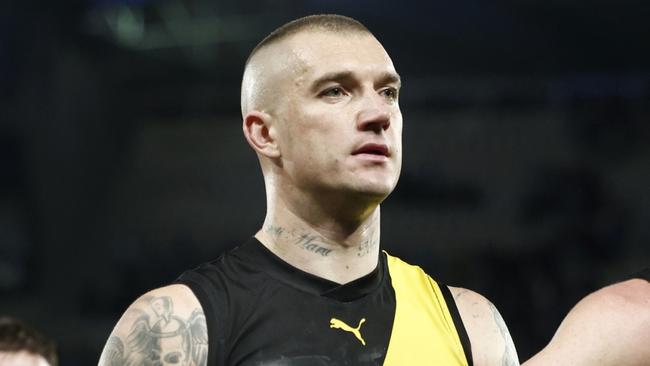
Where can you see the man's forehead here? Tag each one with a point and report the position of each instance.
(313, 42)
(276, 58)
(301, 58)
(316, 44)
(323, 52)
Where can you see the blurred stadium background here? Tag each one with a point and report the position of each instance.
(526, 167)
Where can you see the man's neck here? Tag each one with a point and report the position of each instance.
(330, 249)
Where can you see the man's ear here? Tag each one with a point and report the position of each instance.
(257, 130)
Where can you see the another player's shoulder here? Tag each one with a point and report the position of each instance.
(489, 336)
(622, 308)
(631, 293)
(610, 326)
(171, 313)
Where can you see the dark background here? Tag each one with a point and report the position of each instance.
(122, 163)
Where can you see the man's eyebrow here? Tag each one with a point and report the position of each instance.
(390, 78)
(331, 76)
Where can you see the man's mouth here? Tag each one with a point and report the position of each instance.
(373, 149)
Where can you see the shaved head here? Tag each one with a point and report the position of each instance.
(271, 58)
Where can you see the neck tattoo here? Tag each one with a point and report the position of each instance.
(309, 242)
(315, 243)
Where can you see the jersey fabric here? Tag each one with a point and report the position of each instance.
(262, 311)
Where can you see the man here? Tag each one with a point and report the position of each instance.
(21, 345)
(610, 327)
(320, 108)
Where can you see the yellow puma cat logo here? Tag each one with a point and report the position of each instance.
(339, 324)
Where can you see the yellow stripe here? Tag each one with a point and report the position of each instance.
(423, 330)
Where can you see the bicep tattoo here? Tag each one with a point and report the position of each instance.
(113, 354)
(509, 357)
(159, 337)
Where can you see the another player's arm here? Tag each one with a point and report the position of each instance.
(165, 325)
(489, 336)
(608, 327)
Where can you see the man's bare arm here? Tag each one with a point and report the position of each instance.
(491, 342)
(166, 325)
(608, 327)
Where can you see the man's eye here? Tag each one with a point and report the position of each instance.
(389, 93)
(333, 92)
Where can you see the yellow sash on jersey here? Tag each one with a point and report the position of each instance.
(423, 330)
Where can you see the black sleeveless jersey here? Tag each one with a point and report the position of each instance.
(262, 311)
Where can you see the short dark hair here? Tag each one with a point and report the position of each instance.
(16, 336)
(328, 22)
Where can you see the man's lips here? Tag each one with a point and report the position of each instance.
(373, 149)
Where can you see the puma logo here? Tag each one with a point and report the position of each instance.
(339, 324)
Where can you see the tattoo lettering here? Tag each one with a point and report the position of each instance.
(509, 353)
(310, 243)
(161, 339)
(274, 231)
(365, 247)
(368, 245)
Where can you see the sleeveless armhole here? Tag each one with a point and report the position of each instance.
(194, 282)
(424, 330)
(458, 322)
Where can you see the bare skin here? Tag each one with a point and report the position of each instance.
(321, 111)
(608, 327)
(164, 325)
(486, 329)
(21, 359)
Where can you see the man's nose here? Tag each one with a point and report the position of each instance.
(374, 114)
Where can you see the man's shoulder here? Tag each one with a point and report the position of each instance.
(622, 308)
(396, 263)
(486, 329)
(633, 292)
(610, 326)
(177, 295)
(175, 300)
(490, 339)
(168, 312)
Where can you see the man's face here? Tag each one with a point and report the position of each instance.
(339, 125)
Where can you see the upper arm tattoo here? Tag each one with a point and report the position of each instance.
(160, 337)
(113, 354)
(509, 357)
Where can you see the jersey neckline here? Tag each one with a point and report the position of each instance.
(263, 260)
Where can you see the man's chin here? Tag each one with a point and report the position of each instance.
(360, 190)
(373, 191)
